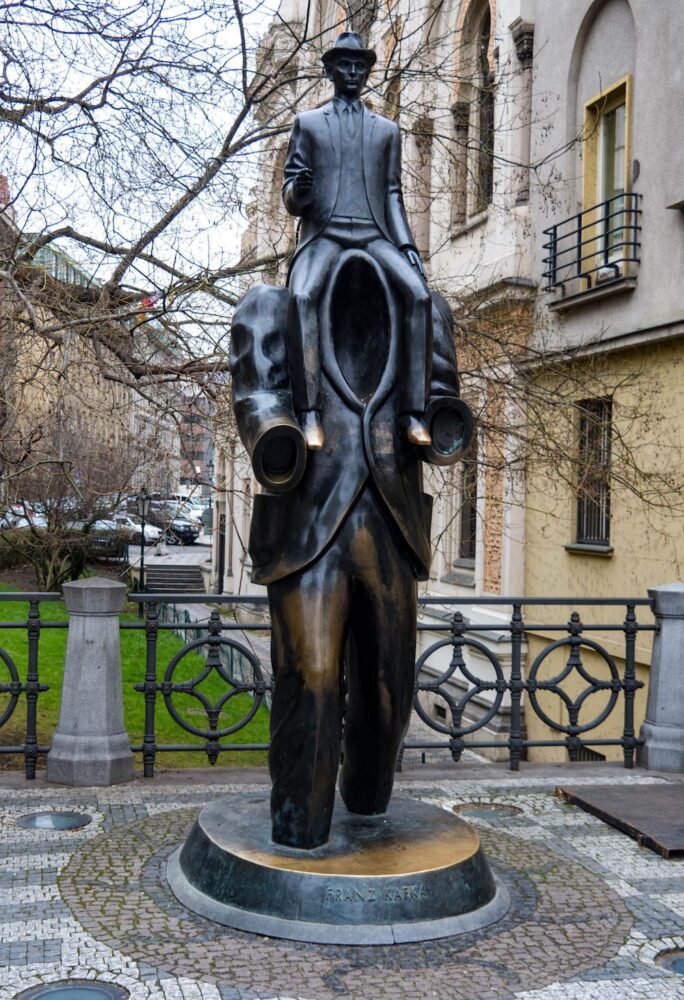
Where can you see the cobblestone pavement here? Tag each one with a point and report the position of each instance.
(590, 911)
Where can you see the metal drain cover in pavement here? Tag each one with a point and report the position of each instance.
(486, 810)
(75, 989)
(54, 821)
(672, 960)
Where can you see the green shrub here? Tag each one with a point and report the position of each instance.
(12, 549)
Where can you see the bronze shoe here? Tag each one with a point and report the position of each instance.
(416, 431)
(312, 430)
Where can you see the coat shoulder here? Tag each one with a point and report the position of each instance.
(386, 124)
(312, 118)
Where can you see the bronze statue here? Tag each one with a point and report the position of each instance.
(343, 384)
(343, 178)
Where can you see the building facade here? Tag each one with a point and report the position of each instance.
(542, 175)
(71, 422)
(457, 78)
(604, 514)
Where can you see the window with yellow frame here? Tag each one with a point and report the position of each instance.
(606, 178)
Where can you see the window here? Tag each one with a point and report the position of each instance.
(485, 112)
(468, 527)
(456, 528)
(472, 168)
(593, 472)
(606, 171)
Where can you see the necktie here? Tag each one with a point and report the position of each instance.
(349, 121)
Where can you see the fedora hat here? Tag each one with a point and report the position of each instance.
(349, 43)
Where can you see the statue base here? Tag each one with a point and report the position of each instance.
(414, 874)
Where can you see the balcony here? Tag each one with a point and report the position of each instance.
(594, 253)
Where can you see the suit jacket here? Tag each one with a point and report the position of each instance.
(363, 443)
(316, 143)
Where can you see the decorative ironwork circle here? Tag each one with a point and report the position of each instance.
(552, 687)
(75, 989)
(478, 686)
(54, 821)
(190, 687)
(8, 688)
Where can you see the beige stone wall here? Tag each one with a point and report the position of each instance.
(647, 501)
(63, 398)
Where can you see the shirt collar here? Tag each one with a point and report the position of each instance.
(341, 105)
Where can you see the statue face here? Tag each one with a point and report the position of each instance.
(348, 75)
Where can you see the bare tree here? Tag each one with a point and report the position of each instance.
(145, 140)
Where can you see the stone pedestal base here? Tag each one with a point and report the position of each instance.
(663, 749)
(90, 760)
(663, 728)
(414, 874)
(90, 745)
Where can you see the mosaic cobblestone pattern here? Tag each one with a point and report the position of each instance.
(591, 910)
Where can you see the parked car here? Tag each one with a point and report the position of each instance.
(106, 538)
(152, 532)
(185, 508)
(176, 528)
(22, 517)
(109, 526)
(181, 531)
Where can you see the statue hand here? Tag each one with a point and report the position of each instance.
(304, 181)
(413, 257)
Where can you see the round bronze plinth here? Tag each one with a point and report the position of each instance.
(414, 874)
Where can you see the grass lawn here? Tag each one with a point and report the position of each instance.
(51, 664)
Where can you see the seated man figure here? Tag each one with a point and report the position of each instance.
(343, 178)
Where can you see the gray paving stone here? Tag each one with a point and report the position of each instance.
(590, 909)
(32, 911)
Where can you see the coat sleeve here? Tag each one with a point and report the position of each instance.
(444, 373)
(449, 417)
(298, 158)
(262, 400)
(395, 213)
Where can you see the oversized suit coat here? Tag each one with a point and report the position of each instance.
(316, 143)
(363, 444)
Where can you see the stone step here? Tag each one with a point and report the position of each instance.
(177, 571)
(174, 580)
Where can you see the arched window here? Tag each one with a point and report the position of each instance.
(473, 117)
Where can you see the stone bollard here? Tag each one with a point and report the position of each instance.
(663, 728)
(90, 745)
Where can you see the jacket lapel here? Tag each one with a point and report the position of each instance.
(369, 120)
(334, 125)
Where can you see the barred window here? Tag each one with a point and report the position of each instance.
(593, 480)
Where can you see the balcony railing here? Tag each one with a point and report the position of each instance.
(600, 245)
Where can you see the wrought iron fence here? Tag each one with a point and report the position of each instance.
(239, 671)
(12, 687)
(232, 670)
(594, 245)
(228, 661)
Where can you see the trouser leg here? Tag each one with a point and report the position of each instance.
(307, 278)
(309, 614)
(417, 328)
(380, 666)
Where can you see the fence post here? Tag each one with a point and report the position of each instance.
(90, 745)
(663, 728)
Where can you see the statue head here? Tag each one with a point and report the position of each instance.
(348, 64)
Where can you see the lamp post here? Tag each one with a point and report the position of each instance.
(143, 505)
